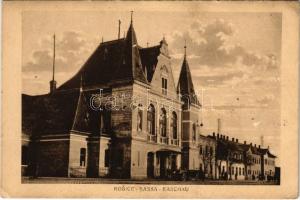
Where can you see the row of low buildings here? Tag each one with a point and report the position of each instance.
(122, 115)
(239, 161)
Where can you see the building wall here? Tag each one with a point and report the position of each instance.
(207, 159)
(222, 168)
(77, 142)
(237, 171)
(255, 167)
(190, 121)
(104, 146)
(139, 150)
(53, 157)
(93, 153)
(194, 159)
(164, 69)
(121, 115)
(269, 167)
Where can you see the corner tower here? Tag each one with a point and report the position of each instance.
(190, 117)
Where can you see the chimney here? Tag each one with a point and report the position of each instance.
(232, 139)
(259, 146)
(214, 135)
(218, 136)
(236, 140)
(245, 142)
(52, 86)
(119, 29)
(227, 138)
(251, 144)
(254, 145)
(219, 125)
(53, 82)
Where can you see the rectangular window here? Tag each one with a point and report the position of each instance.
(140, 120)
(201, 150)
(106, 158)
(82, 157)
(138, 158)
(164, 85)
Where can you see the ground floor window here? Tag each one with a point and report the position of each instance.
(106, 158)
(138, 158)
(82, 156)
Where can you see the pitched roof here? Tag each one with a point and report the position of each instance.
(149, 59)
(185, 84)
(111, 62)
(266, 151)
(49, 113)
(59, 113)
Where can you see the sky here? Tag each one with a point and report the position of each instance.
(234, 59)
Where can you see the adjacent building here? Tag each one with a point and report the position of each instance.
(242, 161)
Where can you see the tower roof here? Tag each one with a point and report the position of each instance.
(185, 84)
(116, 61)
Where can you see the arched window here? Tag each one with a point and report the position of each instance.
(174, 125)
(194, 132)
(140, 119)
(163, 123)
(151, 120)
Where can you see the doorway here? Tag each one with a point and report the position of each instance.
(150, 165)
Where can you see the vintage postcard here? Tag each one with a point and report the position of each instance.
(150, 99)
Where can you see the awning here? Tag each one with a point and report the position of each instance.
(168, 151)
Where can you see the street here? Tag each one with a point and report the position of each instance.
(59, 180)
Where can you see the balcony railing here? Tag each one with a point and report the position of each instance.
(151, 138)
(164, 140)
(175, 142)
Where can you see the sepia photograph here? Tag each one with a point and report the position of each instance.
(149, 98)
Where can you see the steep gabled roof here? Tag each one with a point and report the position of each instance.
(149, 59)
(185, 84)
(59, 113)
(131, 66)
(50, 113)
(266, 151)
(111, 62)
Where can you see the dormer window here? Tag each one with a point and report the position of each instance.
(164, 86)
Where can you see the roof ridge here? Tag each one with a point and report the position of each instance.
(112, 41)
